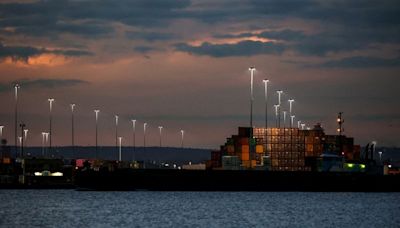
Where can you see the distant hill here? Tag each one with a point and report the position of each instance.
(163, 154)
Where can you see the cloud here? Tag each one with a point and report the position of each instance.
(362, 62)
(144, 49)
(242, 48)
(89, 18)
(23, 53)
(149, 36)
(42, 83)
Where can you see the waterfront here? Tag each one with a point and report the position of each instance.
(69, 208)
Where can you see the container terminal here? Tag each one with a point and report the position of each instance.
(254, 159)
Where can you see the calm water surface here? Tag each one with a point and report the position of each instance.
(69, 208)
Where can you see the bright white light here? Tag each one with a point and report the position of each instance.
(57, 174)
(276, 109)
(72, 107)
(279, 96)
(51, 100)
(38, 174)
(96, 111)
(25, 133)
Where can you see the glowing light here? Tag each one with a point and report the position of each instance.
(38, 174)
(362, 166)
(57, 174)
(350, 165)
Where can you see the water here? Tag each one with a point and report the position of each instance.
(69, 208)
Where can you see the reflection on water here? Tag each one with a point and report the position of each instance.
(69, 208)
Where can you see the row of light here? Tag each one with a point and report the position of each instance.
(276, 106)
(46, 136)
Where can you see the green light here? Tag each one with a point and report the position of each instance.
(350, 165)
(362, 166)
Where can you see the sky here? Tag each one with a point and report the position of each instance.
(184, 65)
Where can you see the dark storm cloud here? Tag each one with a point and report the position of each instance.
(63, 16)
(362, 62)
(243, 48)
(345, 25)
(22, 53)
(150, 36)
(42, 83)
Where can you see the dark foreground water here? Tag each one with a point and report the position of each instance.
(69, 208)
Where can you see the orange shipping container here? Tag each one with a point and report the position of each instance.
(245, 156)
(245, 149)
(259, 149)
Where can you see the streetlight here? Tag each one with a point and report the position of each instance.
(279, 107)
(43, 140)
(251, 69)
(25, 139)
(291, 121)
(380, 156)
(298, 124)
(20, 143)
(182, 136)
(72, 129)
(116, 131)
(133, 137)
(290, 106)
(47, 138)
(97, 118)
(51, 100)
(276, 114)
(144, 135)
(302, 126)
(22, 125)
(284, 119)
(160, 128)
(16, 88)
(1, 131)
(120, 149)
(265, 81)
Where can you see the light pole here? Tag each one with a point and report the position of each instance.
(290, 106)
(251, 69)
(51, 100)
(291, 121)
(22, 125)
(25, 139)
(72, 129)
(47, 138)
(120, 148)
(302, 126)
(160, 128)
(21, 143)
(97, 120)
(43, 140)
(298, 124)
(284, 119)
(380, 156)
(116, 131)
(133, 138)
(1, 131)
(265, 81)
(144, 135)
(16, 88)
(182, 136)
(279, 107)
(276, 114)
